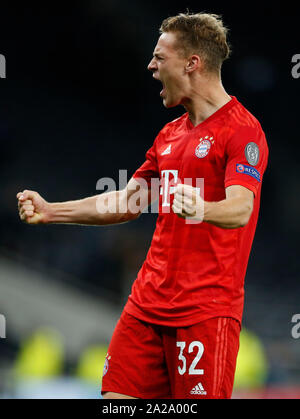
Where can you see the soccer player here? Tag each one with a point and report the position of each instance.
(178, 335)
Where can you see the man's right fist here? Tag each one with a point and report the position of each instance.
(33, 209)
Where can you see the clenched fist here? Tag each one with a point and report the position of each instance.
(188, 203)
(33, 209)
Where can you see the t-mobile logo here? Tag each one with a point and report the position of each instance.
(169, 179)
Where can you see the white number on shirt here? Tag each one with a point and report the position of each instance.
(182, 358)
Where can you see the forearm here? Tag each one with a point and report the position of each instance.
(104, 209)
(229, 213)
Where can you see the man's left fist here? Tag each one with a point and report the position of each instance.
(188, 203)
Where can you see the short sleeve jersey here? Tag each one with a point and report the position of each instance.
(193, 272)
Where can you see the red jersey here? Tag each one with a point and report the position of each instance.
(193, 272)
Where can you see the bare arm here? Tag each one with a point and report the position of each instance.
(108, 208)
(232, 212)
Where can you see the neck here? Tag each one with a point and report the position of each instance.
(205, 100)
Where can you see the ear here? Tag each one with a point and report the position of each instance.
(193, 63)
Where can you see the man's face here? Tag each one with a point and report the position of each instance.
(168, 66)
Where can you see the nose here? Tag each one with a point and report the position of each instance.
(152, 65)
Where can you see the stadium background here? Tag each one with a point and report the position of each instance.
(78, 104)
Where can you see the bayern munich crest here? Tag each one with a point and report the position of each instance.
(203, 148)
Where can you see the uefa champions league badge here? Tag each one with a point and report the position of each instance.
(106, 365)
(248, 170)
(240, 168)
(252, 153)
(203, 148)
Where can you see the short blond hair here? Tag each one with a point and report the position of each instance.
(201, 33)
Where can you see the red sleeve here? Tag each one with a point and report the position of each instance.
(149, 169)
(247, 158)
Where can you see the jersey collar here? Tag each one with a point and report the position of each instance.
(215, 115)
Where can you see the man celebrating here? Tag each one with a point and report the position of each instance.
(178, 335)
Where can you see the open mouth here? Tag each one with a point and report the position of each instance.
(163, 91)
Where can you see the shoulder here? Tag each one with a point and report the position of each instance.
(242, 117)
(173, 126)
(244, 126)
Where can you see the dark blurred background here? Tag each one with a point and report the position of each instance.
(78, 104)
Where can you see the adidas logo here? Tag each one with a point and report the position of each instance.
(167, 151)
(198, 389)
